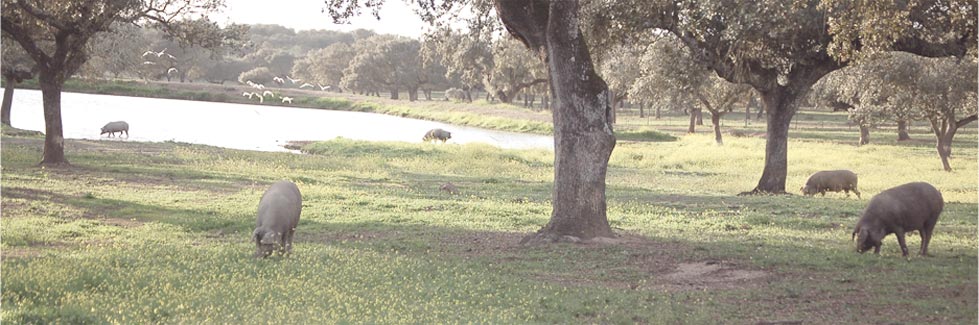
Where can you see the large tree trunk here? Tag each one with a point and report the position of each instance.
(864, 133)
(583, 137)
(8, 100)
(944, 146)
(54, 141)
(412, 94)
(642, 109)
(658, 115)
(700, 117)
(394, 94)
(945, 130)
(715, 119)
(503, 97)
(780, 108)
(902, 131)
(693, 120)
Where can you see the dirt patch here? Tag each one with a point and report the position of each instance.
(32, 250)
(649, 264)
(708, 275)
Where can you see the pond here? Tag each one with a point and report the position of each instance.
(241, 126)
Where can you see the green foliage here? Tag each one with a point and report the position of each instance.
(260, 75)
(384, 63)
(325, 66)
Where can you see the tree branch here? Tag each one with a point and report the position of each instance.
(526, 20)
(41, 15)
(750, 72)
(966, 121)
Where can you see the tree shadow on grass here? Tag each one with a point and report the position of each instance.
(120, 212)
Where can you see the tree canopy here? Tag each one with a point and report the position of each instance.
(782, 48)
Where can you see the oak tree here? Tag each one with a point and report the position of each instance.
(55, 34)
(781, 48)
(583, 136)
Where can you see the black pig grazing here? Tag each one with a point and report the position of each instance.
(278, 216)
(437, 135)
(833, 181)
(909, 207)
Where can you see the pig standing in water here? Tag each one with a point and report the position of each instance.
(278, 215)
(909, 207)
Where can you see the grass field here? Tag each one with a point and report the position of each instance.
(159, 233)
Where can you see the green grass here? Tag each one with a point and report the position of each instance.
(158, 233)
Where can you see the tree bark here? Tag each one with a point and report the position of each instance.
(394, 94)
(614, 99)
(700, 117)
(583, 137)
(8, 100)
(945, 130)
(658, 115)
(902, 131)
(944, 147)
(761, 112)
(864, 134)
(693, 120)
(642, 109)
(715, 119)
(503, 97)
(54, 141)
(780, 108)
(412, 94)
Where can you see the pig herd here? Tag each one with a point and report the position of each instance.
(899, 210)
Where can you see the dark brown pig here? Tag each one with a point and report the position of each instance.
(278, 216)
(909, 207)
(833, 181)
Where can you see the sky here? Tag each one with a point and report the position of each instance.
(396, 17)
